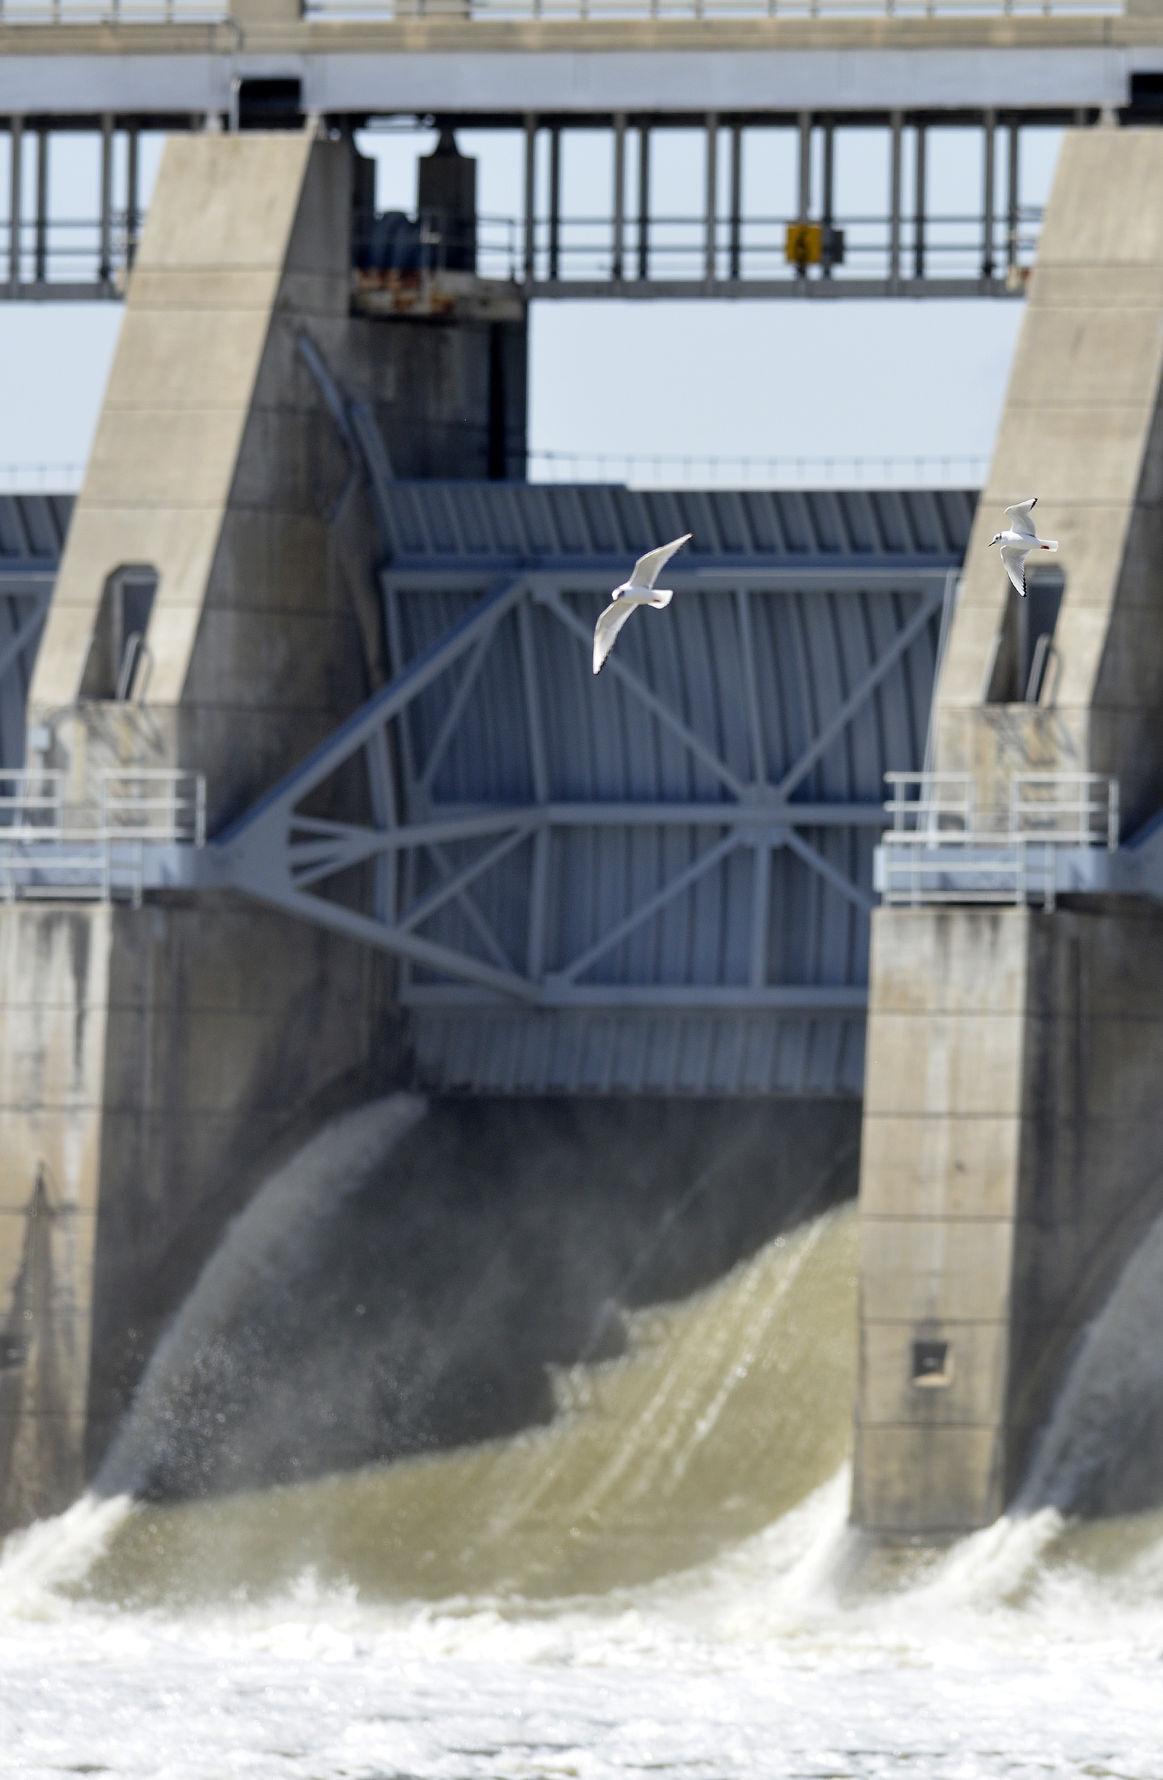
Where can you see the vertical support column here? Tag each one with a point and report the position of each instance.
(804, 177)
(132, 192)
(987, 197)
(712, 197)
(1013, 188)
(896, 126)
(15, 196)
(920, 198)
(40, 238)
(735, 249)
(617, 256)
(644, 201)
(539, 868)
(829, 182)
(554, 202)
(105, 264)
(760, 898)
(530, 196)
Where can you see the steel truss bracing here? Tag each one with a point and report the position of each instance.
(31, 534)
(24, 601)
(490, 900)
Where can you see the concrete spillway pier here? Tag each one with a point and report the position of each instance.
(1010, 1152)
(210, 614)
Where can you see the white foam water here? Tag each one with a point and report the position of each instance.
(1017, 1655)
(40, 1561)
(760, 1665)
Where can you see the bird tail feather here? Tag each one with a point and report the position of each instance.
(661, 596)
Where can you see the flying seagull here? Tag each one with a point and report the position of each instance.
(1019, 540)
(639, 590)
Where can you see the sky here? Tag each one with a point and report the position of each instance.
(904, 379)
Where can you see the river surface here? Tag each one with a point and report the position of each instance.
(658, 1581)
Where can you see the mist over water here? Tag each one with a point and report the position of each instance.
(629, 1555)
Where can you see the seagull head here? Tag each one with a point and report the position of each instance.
(996, 539)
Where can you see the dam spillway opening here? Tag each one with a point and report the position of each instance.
(612, 1371)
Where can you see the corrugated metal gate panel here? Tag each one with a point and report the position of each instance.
(812, 637)
(547, 520)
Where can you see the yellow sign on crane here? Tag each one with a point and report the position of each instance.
(805, 244)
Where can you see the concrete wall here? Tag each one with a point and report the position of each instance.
(153, 1059)
(1011, 1125)
(1081, 429)
(216, 461)
(1009, 1167)
(213, 461)
(53, 1000)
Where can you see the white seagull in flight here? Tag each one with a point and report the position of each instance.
(1019, 540)
(639, 590)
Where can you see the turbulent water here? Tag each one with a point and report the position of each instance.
(656, 1578)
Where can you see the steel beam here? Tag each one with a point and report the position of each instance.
(15, 201)
(617, 258)
(277, 805)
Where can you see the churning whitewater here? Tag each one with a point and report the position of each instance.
(656, 1577)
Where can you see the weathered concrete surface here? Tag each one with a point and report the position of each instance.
(216, 461)
(939, 1192)
(53, 997)
(1082, 429)
(264, 28)
(1012, 1121)
(151, 1060)
(1012, 1127)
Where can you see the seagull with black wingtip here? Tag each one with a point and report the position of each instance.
(1019, 540)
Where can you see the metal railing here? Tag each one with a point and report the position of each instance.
(924, 804)
(40, 478)
(101, 12)
(660, 469)
(1072, 809)
(554, 250)
(943, 847)
(602, 11)
(184, 12)
(92, 846)
(676, 469)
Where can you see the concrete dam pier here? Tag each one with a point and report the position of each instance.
(1010, 1149)
(211, 615)
(318, 798)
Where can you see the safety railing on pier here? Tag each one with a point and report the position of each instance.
(56, 843)
(944, 846)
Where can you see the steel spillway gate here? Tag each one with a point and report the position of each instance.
(658, 880)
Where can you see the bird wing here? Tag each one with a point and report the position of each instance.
(647, 569)
(1015, 566)
(610, 623)
(1019, 516)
